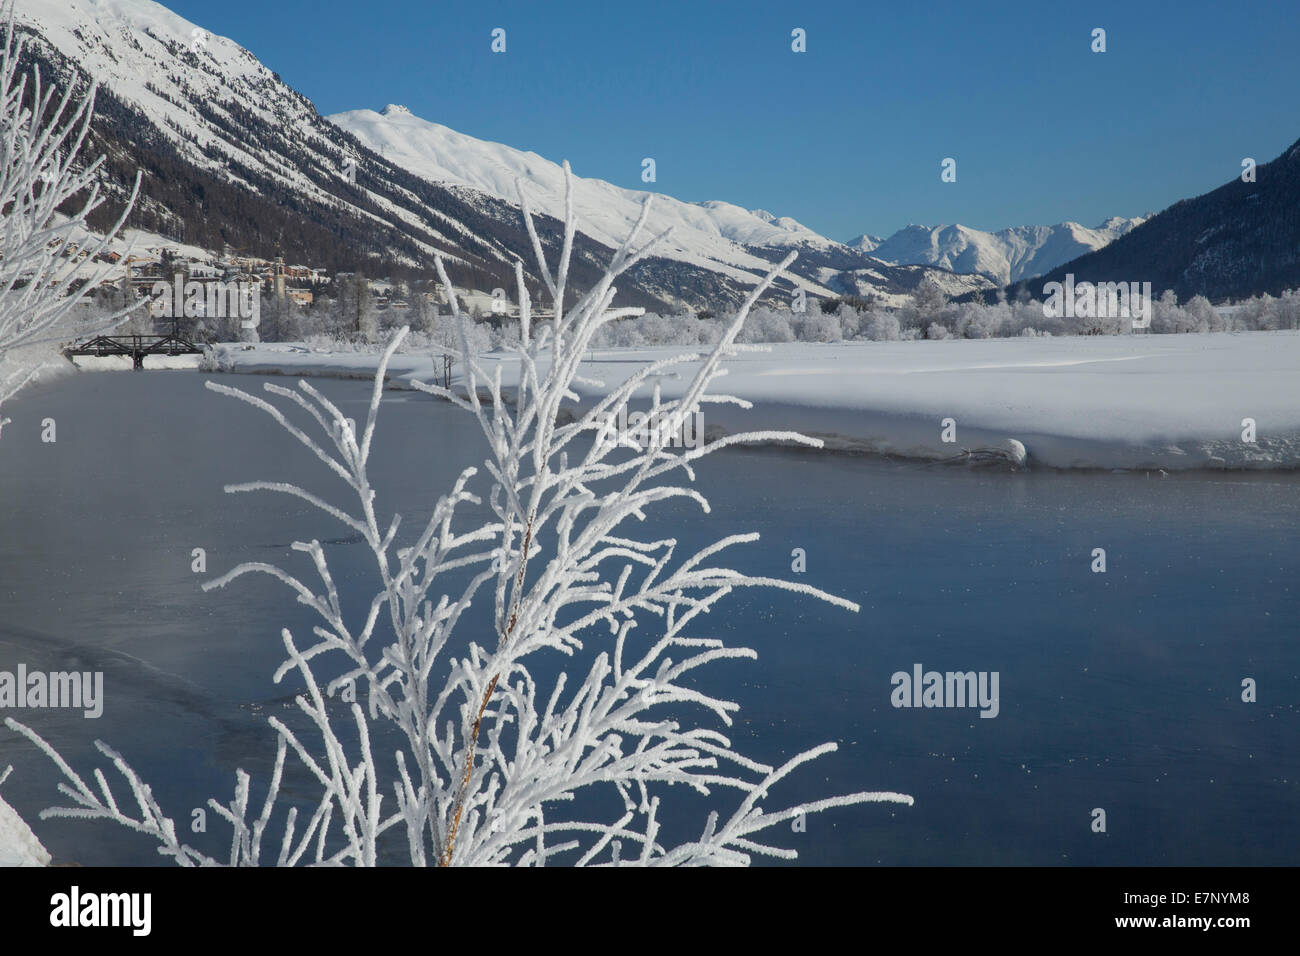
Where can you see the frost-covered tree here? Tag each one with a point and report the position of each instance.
(46, 256)
(767, 325)
(1201, 316)
(1167, 315)
(498, 760)
(978, 321)
(1284, 311)
(929, 297)
(421, 310)
(883, 327)
(355, 316)
(820, 327)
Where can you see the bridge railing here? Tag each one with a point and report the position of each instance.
(136, 346)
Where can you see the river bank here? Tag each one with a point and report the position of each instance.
(1139, 402)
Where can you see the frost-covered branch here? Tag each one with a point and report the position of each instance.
(46, 258)
(494, 764)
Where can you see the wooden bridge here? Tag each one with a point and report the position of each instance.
(136, 346)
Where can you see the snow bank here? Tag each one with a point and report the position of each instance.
(118, 363)
(1132, 401)
(18, 844)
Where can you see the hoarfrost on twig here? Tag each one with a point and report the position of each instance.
(490, 756)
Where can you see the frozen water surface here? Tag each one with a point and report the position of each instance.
(1119, 690)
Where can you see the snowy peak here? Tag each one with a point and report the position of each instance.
(1119, 225)
(1009, 255)
(392, 109)
(131, 41)
(865, 243)
(786, 224)
(169, 69)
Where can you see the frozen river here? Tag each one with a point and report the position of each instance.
(1119, 691)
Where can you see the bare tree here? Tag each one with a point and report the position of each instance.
(496, 764)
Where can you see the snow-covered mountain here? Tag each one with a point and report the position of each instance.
(711, 235)
(606, 211)
(229, 152)
(1006, 256)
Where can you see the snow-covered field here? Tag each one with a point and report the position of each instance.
(1132, 401)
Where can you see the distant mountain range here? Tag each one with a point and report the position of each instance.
(1008, 255)
(233, 156)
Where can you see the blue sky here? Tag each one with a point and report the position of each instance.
(847, 137)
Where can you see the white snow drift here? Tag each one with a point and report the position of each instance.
(1135, 401)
